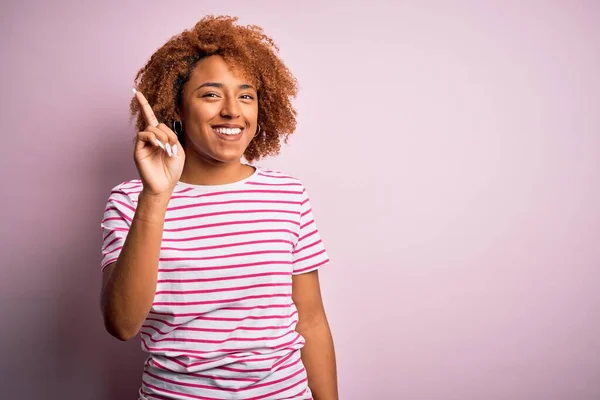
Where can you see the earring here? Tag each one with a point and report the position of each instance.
(258, 131)
(178, 127)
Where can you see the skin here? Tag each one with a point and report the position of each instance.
(216, 94)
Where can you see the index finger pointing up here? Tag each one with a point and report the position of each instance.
(146, 109)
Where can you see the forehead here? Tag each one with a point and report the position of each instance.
(216, 69)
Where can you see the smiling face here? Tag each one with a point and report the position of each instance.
(219, 112)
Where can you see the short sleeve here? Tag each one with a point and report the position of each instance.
(309, 252)
(116, 222)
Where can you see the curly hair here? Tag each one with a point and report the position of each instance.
(162, 79)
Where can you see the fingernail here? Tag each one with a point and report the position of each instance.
(159, 143)
(134, 91)
(175, 149)
(169, 150)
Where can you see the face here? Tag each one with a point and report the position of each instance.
(219, 111)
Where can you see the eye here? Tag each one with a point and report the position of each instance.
(247, 97)
(210, 94)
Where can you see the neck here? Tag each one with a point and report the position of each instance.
(199, 171)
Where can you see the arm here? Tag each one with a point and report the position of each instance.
(318, 354)
(129, 284)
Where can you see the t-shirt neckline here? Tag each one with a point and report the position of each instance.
(226, 186)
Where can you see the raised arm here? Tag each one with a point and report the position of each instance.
(129, 283)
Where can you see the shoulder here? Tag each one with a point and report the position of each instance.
(277, 178)
(128, 189)
(283, 183)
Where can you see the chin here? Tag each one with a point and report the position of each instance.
(228, 156)
(218, 153)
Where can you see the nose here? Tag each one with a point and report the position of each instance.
(230, 108)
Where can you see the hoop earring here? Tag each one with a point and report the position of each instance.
(258, 131)
(178, 129)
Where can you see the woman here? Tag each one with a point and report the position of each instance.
(213, 261)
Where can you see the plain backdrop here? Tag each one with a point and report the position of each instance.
(451, 149)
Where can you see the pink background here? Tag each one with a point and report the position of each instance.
(451, 150)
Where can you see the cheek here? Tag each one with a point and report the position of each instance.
(251, 113)
(201, 113)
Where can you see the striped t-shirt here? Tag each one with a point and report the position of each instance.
(222, 323)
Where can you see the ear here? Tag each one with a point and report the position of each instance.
(177, 114)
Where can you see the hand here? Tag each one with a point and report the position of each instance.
(158, 155)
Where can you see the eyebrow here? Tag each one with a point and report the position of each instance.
(220, 85)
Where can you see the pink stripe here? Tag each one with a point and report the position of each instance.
(205, 362)
(307, 235)
(234, 357)
(229, 223)
(269, 306)
(230, 369)
(224, 278)
(280, 390)
(202, 317)
(215, 330)
(189, 352)
(274, 184)
(212, 194)
(277, 176)
(111, 208)
(109, 244)
(190, 396)
(130, 190)
(132, 182)
(184, 190)
(287, 378)
(122, 217)
(105, 220)
(227, 358)
(155, 396)
(232, 234)
(244, 360)
(287, 366)
(304, 201)
(124, 205)
(221, 267)
(248, 370)
(298, 271)
(244, 201)
(312, 221)
(209, 341)
(300, 393)
(284, 359)
(215, 213)
(127, 192)
(308, 246)
(206, 302)
(120, 229)
(309, 256)
(107, 263)
(221, 246)
(252, 387)
(110, 232)
(214, 377)
(305, 213)
(113, 250)
(228, 289)
(228, 319)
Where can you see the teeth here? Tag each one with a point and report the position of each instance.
(228, 131)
